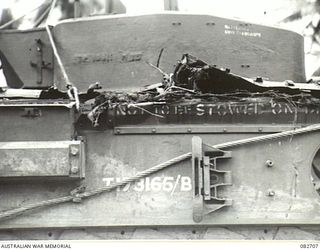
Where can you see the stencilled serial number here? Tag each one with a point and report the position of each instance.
(240, 30)
(168, 184)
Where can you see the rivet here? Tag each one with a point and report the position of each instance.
(260, 129)
(269, 163)
(245, 66)
(118, 131)
(153, 130)
(224, 130)
(189, 130)
(271, 193)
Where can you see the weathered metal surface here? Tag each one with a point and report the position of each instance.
(246, 112)
(32, 120)
(226, 43)
(27, 58)
(168, 233)
(54, 160)
(203, 129)
(155, 200)
(36, 141)
(271, 181)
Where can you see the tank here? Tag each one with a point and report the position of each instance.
(162, 126)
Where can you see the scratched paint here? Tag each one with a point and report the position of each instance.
(124, 57)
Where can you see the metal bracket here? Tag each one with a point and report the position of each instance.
(42, 160)
(39, 65)
(207, 179)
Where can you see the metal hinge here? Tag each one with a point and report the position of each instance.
(207, 179)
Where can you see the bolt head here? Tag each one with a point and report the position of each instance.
(269, 163)
(74, 151)
(271, 193)
(74, 170)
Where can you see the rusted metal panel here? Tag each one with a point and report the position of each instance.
(42, 160)
(248, 50)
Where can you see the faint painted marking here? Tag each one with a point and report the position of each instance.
(175, 184)
(240, 30)
(154, 184)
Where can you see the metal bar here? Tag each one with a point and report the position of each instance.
(39, 50)
(109, 6)
(42, 160)
(67, 105)
(43, 16)
(56, 54)
(197, 178)
(199, 129)
(22, 93)
(77, 11)
(206, 178)
(55, 50)
(37, 144)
